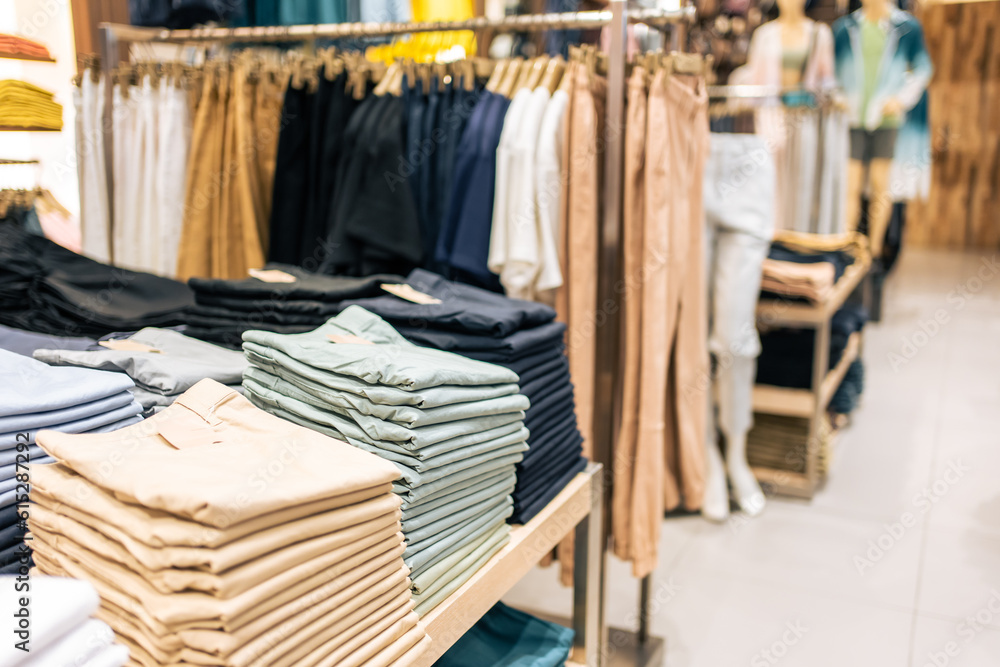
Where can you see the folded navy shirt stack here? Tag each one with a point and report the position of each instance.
(520, 335)
(284, 299)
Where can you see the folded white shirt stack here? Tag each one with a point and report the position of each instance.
(59, 629)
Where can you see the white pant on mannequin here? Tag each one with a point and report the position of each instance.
(739, 207)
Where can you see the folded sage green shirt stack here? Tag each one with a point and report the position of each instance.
(452, 426)
(218, 534)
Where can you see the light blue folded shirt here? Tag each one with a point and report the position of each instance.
(391, 360)
(28, 386)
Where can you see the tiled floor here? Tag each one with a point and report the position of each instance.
(841, 580)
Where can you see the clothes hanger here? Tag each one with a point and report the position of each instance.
(511, 76)
(497, 76)
(554, 73)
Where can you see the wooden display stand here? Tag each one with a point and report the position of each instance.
(809, 403)
(578, 507)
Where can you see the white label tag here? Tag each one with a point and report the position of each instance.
(410, 294)
(125, 345)
(272, 276)
(349, 339)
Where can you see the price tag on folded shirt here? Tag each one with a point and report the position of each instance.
(349, 339)
(410, 294)
(272, 276)
(126, 345)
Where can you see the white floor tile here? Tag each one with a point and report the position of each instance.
(947, 643)
(722, 621)
(801, 547)
(960, 573)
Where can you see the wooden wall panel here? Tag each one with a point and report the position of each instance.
(962, 211)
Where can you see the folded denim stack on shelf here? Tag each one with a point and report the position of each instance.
(519, 335)
(217, 534)
(35, 396)
(61, 630)
(453, 427)
(162, 363)
(49, 289)
(283, 299)
(786, 357)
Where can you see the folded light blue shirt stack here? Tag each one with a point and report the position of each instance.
(453, 426)
(36, 396)
(162, 363)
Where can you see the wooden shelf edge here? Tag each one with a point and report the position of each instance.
(788, 402)
(15, 128)
(777, 312)
(836, 375)
(450, 620)
(14, 55)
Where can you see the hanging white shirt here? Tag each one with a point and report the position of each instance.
(548, 188)
(498, 232)
(516, 256)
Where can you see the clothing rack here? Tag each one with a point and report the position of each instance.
(588, 612)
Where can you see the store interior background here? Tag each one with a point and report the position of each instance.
(839, 580)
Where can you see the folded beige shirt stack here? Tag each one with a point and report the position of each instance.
(217, 534)
(814, 282)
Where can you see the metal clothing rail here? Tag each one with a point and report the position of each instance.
(294, 33)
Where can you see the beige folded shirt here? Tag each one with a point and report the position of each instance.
(277, 648)
(387, 633)
(79, 526)
(165, 614)
(215, 458)
(66, 536)
(410, 657)
(66, 492)
(276, 628)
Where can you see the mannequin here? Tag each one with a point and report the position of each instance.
(741, 211)
(884, 68)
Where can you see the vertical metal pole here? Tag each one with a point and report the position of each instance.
(606, 412)
(644, 585)
(109, 61)
(588, 571)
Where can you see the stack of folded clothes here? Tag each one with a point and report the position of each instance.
(162, 363)
(25, 105)
(62, 632)
(808, 266)
(222, 535)
(519, 335)
(35, 396)
(48, 289)
(17, 45)
(453, 426)
(283, 299)
(786, 357)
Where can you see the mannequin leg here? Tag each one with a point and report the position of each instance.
(734, 342)
(715, 506)
(880, 209)
(735, 419)
(855, 185)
